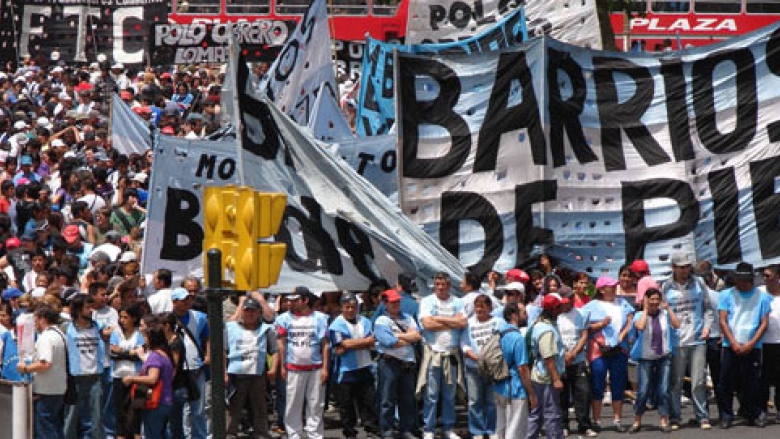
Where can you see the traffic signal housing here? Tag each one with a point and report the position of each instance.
(241, 222)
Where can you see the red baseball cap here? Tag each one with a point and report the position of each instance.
(391, 296)
(71, 233)
(552, 300)
(517, 274)
(12, 242)
(640, 267)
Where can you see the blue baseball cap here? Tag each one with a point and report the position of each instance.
(12, 293)
(179, 293)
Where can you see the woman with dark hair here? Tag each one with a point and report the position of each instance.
(627, 285)
(580, 287)
(126, 346)
(481, 404)
(157, 366)
(182, 97)
(654, 346)
(8, 346)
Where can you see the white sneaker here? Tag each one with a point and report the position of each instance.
(450, 435)
(428, 435)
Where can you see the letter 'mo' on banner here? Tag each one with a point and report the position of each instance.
(597, 158)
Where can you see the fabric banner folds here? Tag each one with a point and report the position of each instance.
(376, 112)
(442, 21)
(129, 133)
(597, 158)
(340, 231)
(304, 67)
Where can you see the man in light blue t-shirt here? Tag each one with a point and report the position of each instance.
(744, 314)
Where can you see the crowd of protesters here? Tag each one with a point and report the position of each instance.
(72, 217)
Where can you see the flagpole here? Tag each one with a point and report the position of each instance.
(236, 117)
(399, 160)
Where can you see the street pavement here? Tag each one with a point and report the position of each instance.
(650, 422)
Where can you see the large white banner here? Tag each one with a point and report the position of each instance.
(340, 231)
(304, 68)
(443, 21)
(597, 158)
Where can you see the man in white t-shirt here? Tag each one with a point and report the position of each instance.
(160, 301)
(442, 318)
(49, 374)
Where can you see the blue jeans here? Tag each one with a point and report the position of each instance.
(281, 400)
(197, 411)
(694, 358)
(89, 405)
(396, 389)
(617, 367)
(109, 414)
(547, 413)
(438, 389)
(48, 416)
(482, 404)
(653, 373)
(154, 421)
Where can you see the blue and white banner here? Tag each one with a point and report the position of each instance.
(304, 67)
(340, 231)
(598, 158)
(376, 112)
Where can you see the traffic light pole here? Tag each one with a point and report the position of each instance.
(214, 296)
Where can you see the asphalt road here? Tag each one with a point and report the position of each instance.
(650, 428)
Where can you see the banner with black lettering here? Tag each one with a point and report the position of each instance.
(260, 40)
(376, 106)
(81, 29)
(340, 231)
(10, 14)
(597, 158)
(304, 67)
(442, 21)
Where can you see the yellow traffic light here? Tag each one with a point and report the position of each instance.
(219, 222)
(235, 218)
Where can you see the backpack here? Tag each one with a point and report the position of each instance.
(491, 364)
